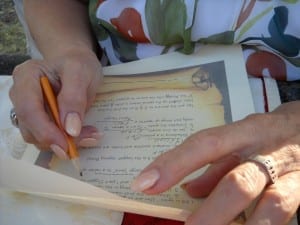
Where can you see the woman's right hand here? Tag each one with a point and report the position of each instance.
(75, 77)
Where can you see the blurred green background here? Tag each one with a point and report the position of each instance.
(12, 39)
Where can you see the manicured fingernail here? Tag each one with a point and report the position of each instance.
(88, 142)
(59, 152)
(73, 124)
(145, 180)
(92, 141)
(97, 135)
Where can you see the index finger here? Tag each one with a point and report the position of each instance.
(202, 148)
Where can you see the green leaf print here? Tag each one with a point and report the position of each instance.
(124, 49)
(226, 37)
(291, 1)
(294, 61)
(95, 23)
(166, 21)
(251, 22)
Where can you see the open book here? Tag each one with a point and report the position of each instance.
(144, 108)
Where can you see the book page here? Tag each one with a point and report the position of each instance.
(145, 115)
(190, 93)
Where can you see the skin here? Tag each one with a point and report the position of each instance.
(231, 178)
(61, 31)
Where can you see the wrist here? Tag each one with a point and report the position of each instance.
(79, 59)
(65, 47)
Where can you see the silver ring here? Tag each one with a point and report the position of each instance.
(13, 118)
(267, 164)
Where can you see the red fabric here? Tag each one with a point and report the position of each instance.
(136, 219)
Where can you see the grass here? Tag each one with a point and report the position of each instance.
(12, 38)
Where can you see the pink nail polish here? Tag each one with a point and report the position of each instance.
(97, 135)
(88, 142)
(73, 124)
(59, 152)
(145, 180)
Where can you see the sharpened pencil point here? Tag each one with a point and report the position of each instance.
(75, 162)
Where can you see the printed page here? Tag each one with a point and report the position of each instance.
(143, 116)
(125, 111)
(141, 124)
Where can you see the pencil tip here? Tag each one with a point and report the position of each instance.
(75, 162)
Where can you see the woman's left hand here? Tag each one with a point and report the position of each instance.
(258, 156)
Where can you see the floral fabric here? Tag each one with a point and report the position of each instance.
(269, 31)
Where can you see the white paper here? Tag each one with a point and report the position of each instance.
(39, 181)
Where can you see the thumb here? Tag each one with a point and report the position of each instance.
(72, 102)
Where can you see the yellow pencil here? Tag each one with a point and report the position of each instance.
(51, 100)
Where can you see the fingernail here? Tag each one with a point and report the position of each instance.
(92, 141)
(88, 142)
(97, 135)
(59, 152)
(73, 124)
(145, 180)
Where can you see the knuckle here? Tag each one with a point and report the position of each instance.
(242, 183)
(18, 69)
(31, 64)
(292, 152)
(75, 100)
(253, 124)
(253, 117)
(208, 139)
(281, 202)
(258, 120)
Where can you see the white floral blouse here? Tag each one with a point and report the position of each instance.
(269, 31)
